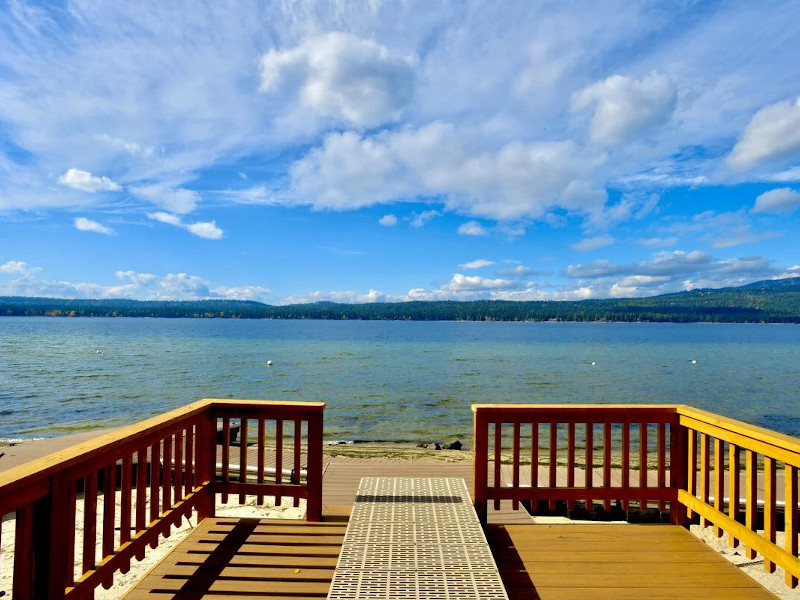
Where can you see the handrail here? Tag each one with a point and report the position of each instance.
(683, 457)
(157, 472)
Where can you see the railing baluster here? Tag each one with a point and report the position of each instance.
(691, 460)
(141, 495)
(155, 481)
(607, 462)
(570, 461)
(662, 462)
(626, 461)
(643, 465)
(534, 455)
(109, 510)
(553, 480)
(177, 493)
(751, 502)
(188, 479)
(790, 517)
(480, 463)
(262, 432)
(278, 457)
(243, 434)
(166, 483)
(89, 521)
(589, 465)
(298, 432)
(719, 481)
(125, 501)
(23, 553)
(734, 457)
(769, 507)
(226, 458)
(705, 459)
(498, 447)
(515, 464)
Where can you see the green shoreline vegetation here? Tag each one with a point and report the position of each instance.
(770, 301)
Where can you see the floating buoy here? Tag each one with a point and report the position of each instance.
(693, 361)
(593, 363)
(269, 363)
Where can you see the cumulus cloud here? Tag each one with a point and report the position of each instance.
(340, 76)
(180, 201)
(772, 133)
(515, 180)
(658, 241)
(140, 279)
(626, 108)
(84, 224)
(346, 296)
(474, 283)
(664, 263)
(18, 267)
(472, 228)
(781, 201)
(180, 286)
(203, 229)
(593, 243)
(481, 263)
(388, 220)
(518, 271)
(86, 182)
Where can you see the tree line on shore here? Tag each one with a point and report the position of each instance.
(771, 301)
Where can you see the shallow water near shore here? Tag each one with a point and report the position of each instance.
(387, 381)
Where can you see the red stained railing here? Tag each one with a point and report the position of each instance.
(137, 483)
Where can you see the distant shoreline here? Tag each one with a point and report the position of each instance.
(771, 301)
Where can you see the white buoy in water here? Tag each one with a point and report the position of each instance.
(269, 363)
(593, 363)
(694, 362)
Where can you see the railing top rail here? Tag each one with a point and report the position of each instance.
(739, 428)
(29, 473)
(597, 413)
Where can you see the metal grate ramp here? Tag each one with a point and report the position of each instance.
(415, 538)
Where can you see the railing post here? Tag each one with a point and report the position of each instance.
(206, 463)
(480, 467)
(60, 543)
(678, 465)
(314, 467)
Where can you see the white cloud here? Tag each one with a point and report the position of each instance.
(180, 201)
(203, 229)
(84, 224)
(245, 292)
(388, 220)
(515, 180)
(772, 133)
(593, 243)
(86, 182)
(346, 297)
(18, 267)
(781, 201)
(472, 228)
(481, 263)
(423, 218)
(132, 148)
(473, 283)
(140, 279)
(180, 286)
(625, 108)
(342, 77)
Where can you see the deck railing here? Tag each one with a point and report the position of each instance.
(666, 456)
(137, 483)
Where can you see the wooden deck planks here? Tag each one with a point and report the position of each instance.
(236, 558)
(554, 562)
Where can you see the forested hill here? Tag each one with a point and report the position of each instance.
(772, 301)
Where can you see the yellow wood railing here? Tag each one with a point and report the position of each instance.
(148, 477)
(693, 462)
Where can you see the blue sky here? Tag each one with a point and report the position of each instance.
(373, 151)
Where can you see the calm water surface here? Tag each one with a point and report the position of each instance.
(385, 380)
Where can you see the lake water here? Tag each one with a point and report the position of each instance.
(391, 381)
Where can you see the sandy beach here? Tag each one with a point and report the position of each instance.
(362, 453)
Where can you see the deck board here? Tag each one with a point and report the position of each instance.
(555, 562)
